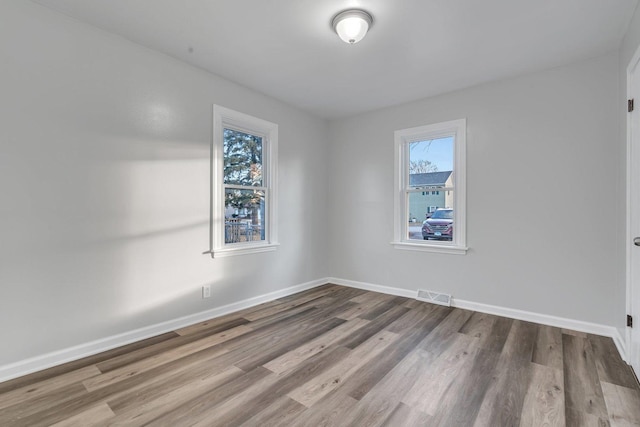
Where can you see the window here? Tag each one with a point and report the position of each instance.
(243, 192)
(430, 183)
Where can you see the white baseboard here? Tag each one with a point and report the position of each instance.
(547, 319)
(544, 319)
(373, 288)
(38, 363)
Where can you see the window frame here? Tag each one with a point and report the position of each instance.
(226, 118)
(402, 138)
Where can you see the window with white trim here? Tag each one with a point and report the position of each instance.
(244, 161)
(430, 171)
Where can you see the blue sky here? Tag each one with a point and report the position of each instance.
(438, 151)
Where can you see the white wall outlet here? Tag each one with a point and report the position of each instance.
(206, 291)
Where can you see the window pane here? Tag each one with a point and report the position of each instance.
(242, 158)
(244, 216)
(431, 162)
(431, 171)
(430, 215)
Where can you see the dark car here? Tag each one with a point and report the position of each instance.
(439, 226)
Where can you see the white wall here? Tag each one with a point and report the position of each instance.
(543, 195)
(104, 166)
(104, 193)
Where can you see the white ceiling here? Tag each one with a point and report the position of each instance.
(416, 48)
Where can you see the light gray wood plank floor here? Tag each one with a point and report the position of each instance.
(336, 356)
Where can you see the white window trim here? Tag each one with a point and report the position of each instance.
(458, 129)
(225, 117)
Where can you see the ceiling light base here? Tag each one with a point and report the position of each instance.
(352, 25)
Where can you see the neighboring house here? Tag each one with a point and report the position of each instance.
(434, 195)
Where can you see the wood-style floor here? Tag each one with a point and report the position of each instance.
(344, 357)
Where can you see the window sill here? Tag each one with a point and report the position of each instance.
(243, 250)
(437, 248)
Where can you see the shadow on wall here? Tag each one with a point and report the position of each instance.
(104, 186)
(103, 245)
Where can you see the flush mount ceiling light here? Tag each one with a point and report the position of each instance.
(352, 25)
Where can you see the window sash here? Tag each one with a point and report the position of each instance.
(267, 232)
(244, 187)
(407, 189)
(423, 189)
(264, 163)
(264, 188)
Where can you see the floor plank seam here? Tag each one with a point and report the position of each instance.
(341, 356)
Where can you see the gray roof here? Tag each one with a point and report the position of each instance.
(430, 178)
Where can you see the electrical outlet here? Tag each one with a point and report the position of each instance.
(206, 291)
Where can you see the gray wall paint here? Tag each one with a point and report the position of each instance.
(104, 193)
(542, 196)
(104, 171)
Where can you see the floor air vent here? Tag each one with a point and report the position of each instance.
(434, 297)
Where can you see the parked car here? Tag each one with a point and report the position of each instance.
(439, 226)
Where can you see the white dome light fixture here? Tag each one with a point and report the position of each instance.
(352, 25)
